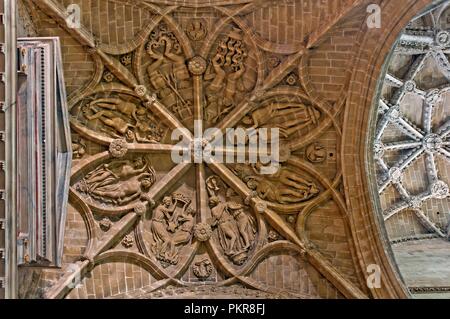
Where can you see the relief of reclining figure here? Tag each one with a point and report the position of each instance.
(125, 192)
(288, 117)
(118, 182)
(115, 104)
(108, 118)
(144, 129)
(284, 187)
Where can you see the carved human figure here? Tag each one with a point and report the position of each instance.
(212, 184)
(107, 174)
(235, 228)
(225, 70)
(114, 104)
(157, 78)
(172, 226)
(284, 187)
(125, 192)
(183, 233)
(159, 227)
(107, 117)
(148, 132)
(293, 188)
(275, 193)
(168, 72)
(288, 117)
(186, 223)
(289, 178)
(245, 225)
(316, 153)
(78, 148)
(226, 226)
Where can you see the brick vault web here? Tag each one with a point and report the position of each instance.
(413, 127)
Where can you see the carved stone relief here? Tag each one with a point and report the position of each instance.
(167, 72)
(316, 153)
(228, 76)
(171, 226)
(203, 269)
(118, 182)
(119, 118)
(197, 29)
(221, 218)
(78, 148)
(234, 225)
(283, 187)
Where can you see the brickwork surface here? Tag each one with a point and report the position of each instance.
(317, 57)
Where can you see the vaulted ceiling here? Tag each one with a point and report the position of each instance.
(412, 150)
(137, 70)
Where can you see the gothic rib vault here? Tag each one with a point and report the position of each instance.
(411, 150)
(142, 226)
(421, 48)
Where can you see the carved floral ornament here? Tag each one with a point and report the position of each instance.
(171, 211)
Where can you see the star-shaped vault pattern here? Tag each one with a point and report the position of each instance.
(424, 141)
